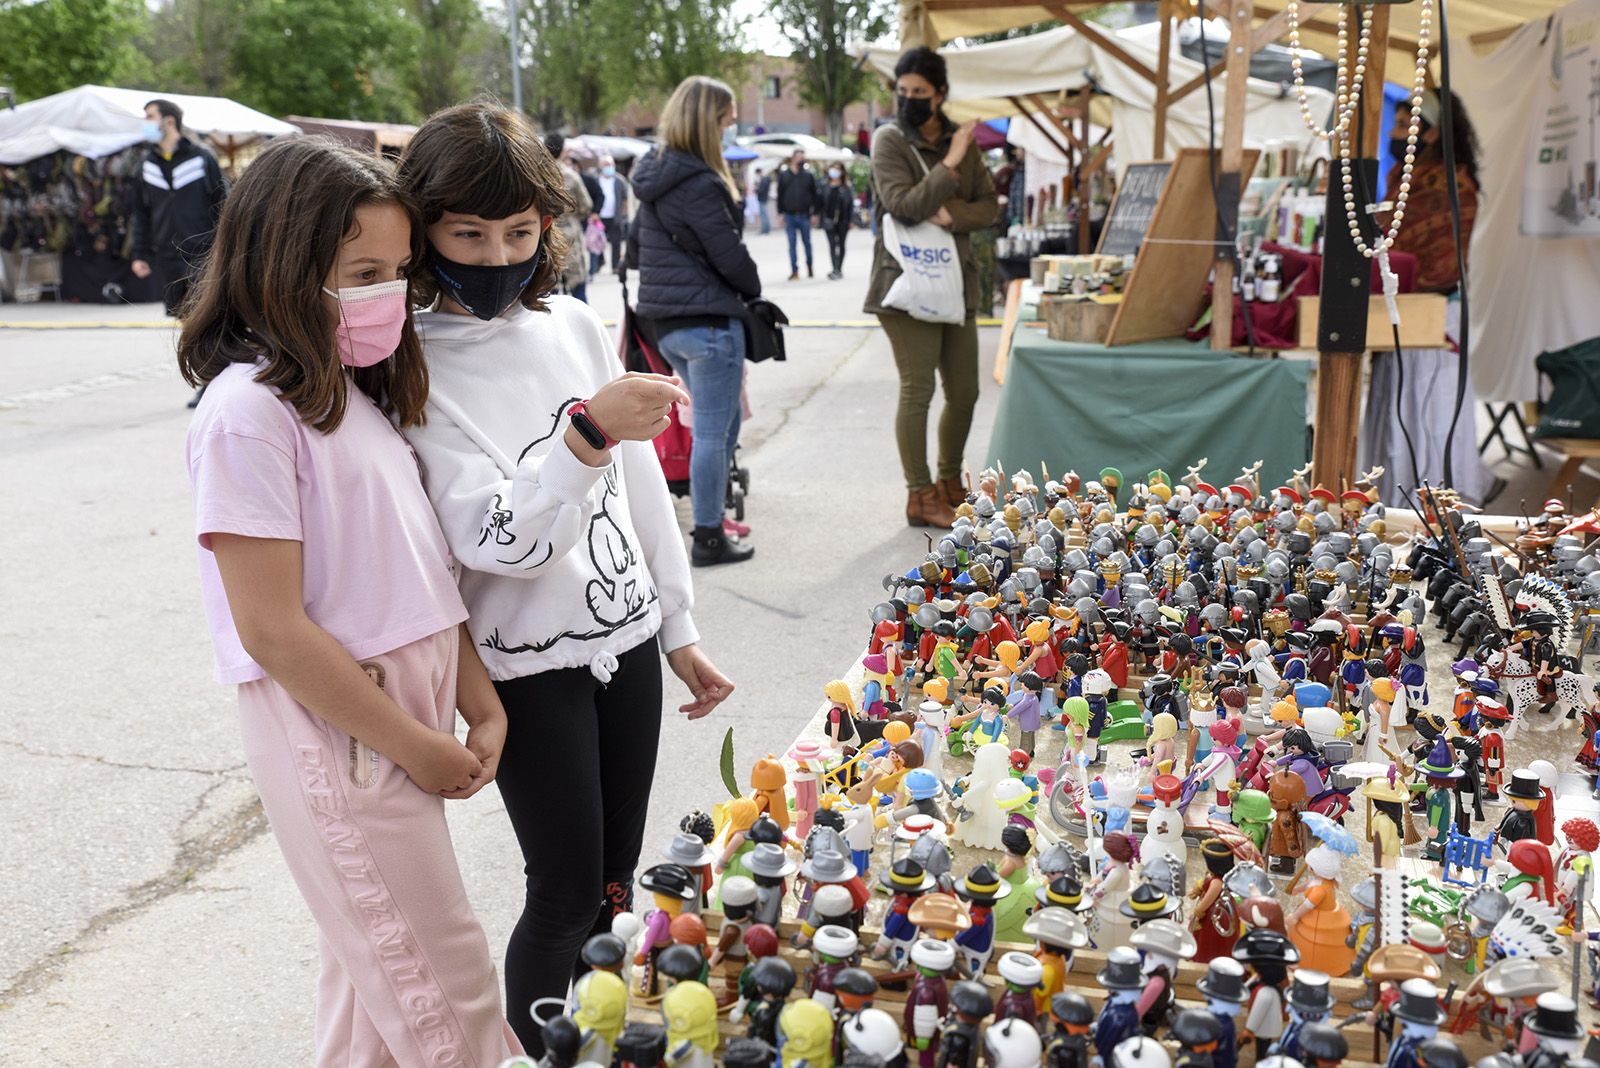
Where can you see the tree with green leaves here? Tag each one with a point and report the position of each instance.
(820, 32)
(53, 45)
(584, 58)
(325, 58)
(457, 51)
(686, 37)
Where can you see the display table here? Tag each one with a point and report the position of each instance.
(1138, 407)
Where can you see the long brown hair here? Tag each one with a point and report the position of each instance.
(691, 122)
(260, 295)
(485, 160)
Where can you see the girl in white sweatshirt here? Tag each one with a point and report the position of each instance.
(536, 455)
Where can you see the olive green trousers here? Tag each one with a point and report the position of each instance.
(921, 352)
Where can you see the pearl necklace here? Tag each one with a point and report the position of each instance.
(1348, 96)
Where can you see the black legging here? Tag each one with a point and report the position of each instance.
(836, 236)
(575, 776)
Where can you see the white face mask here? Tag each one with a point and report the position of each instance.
(836, 173)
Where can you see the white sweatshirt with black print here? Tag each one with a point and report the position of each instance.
(561, 565)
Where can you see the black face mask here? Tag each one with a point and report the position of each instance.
(914, 111)
(484, 291)
(1397, 149)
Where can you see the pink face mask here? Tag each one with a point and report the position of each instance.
(370, 321)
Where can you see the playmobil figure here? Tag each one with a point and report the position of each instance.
(1119, 1016)
(691, 853)
(1576, 863)
(1493, 733)
(1057, 933)
(1419, 1014)
(1382, 718)
(1439, 768)
(1558, 1036)
(1163, 746)
(833, 949)
(871, 1038)
(981, 889)
(690, 1013)
(741, 815)
(1075, 716)
(767, 781)
(855, 989)
(1112, 927)
(1310, 1002)
(1269, 955)
(921, 788)
(1252, 814)
(805, 1036)
(605, 952)
(1213, 919)
(940, 916)
(1163, 826)
(1071, 1017)
(1097, 685)
(1025, 709)
(773, 978)
(670, 886)
(929, 998)
(600, 1009)
(1501, 996)
(1323, 1046)
(1535, 873)
(1544, 816)
(932, 721)
(1385, 812)
(928, 847)
(1012, 908)
(1223, 988)
(841, 718)
(824, 869)
(760, 942)
(1012, 1044)
(689, 932)
(1223, 762)
(809, 759)
(983, 821)
(1198, 1034)
(1525, 795)
(770, 868)
(562, 1039)
(970, 1004)
(1319, 926)
(1163, 944)
(908, 882)
(859, 830)
(982, 726)
(1022, 975)
(1286, 839)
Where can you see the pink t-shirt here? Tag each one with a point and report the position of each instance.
(377, 574)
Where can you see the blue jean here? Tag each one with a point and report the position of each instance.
(766, 217)
(797, 225)
(710, 360)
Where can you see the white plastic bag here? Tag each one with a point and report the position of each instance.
(930, 287)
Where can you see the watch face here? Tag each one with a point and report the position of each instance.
(588, 430)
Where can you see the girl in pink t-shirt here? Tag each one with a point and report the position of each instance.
(331, 602)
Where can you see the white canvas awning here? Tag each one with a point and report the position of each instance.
(97, 120)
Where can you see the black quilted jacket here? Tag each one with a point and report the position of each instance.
(688, 240)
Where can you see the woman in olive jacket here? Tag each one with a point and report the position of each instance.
(926, 169)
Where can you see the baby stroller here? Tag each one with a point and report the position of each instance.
(673, 444)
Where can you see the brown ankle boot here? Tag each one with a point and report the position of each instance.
(953, 492)
(925, 507)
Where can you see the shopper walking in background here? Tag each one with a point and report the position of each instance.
(798, 200)
(694, 277)
(614, 208)
(763, 197)
(838, 208)
(926, 169)
(175, 208)
(574, 273)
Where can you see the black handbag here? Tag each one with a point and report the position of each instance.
(763, 330)
(1572, 408)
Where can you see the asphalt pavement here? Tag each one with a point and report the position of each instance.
(149, 919)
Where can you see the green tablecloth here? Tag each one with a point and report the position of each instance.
(1138, 407)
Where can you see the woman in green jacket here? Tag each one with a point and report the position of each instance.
(926, 169)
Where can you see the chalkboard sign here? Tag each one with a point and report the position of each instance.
(1136, 199)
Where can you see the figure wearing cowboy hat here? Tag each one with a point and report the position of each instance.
(1163, 944)
(1419, 1014)
(908, 882)
(1269, 955)
(1525, 795)
(671, 888)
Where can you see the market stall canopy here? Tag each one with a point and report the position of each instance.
(97, 120)
(1483, 23)
(586, 147)
(996, 79)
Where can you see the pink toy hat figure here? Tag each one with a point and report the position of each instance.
(875, 662)
(806, 750)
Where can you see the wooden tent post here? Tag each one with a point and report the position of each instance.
(1229, 180)
(1158, 146)
(1085, 245)
(1338, 420)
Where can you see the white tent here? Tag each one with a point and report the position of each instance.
(96, 120)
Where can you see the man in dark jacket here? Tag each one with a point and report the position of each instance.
(798, 199)
(176, 205)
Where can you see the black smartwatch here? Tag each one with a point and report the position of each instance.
(588, 429)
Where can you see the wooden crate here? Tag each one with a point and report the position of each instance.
(1076, 318)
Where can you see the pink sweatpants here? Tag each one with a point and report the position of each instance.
(406, 975)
